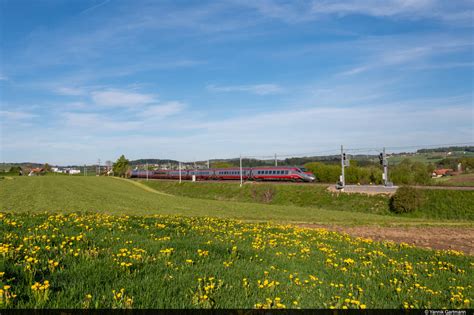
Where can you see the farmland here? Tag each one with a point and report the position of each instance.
(152, 246)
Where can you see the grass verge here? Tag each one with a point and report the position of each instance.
(439, 204)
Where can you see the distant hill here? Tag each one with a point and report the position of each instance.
(152, 161)
(447, 149)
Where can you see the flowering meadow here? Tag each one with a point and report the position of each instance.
(89, 260)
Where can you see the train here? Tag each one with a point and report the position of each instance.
(274, 173)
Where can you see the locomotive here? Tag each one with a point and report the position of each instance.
(283, 173)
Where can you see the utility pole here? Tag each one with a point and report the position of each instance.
(342, 179)
(85, 170)
(99, 167)
(179, 167)
(385, 168)
(241, 177)
(146, 171)
(276, 161)
(208, 164)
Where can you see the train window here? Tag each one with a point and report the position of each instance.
(286, 172)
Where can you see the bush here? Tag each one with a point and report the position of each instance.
(406, 200)
(325, 173)
(411, 173)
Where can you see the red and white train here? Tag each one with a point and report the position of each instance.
(283, 173)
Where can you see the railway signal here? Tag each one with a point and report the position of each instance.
(342, 179)
(384, 163)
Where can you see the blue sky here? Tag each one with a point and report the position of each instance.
(187, 80)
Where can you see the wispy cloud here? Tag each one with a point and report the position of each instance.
(91, 8)
(417, 52)
(16, 115)
(72, 91)
(259, 89)
(93, 121)
(122, 98)
(304, 11)
(163, 110)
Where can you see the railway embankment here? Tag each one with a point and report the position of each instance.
(437, 204)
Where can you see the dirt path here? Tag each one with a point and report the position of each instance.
(143, 186)
(456, 238)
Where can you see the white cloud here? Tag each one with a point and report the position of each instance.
(163, 110)
(119, 98)
(97, 122)
(259, 89)
(355, 70)
(16, 115)
(290, 131)
(73, 91)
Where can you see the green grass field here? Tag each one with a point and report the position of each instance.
(451, 205)
(90, 242)
(103, 261)
(116, 196)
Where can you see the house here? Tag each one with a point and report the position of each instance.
(36, 171)
(56, 170)
(442, 172)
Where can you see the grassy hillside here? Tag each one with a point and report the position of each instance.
(281, 194)
(115, 196)
(183, 262)
(438, 204)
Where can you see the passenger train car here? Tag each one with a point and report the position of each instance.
(283, 173)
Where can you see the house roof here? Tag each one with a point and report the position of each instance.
(442, 171)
